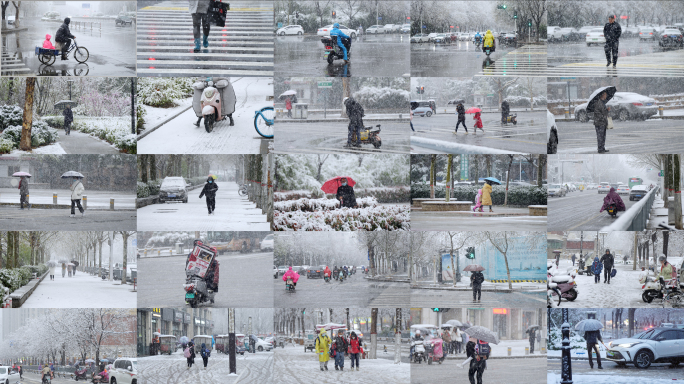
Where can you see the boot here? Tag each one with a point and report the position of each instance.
(205, 43)
(337, 368)
(232, 122)
(197, 45)
(321, 369)
(198, 122)
(341, 368)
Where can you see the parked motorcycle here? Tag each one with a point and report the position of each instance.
(333, 51)
(511, 119)
(552, 290)
(196, 291)
(658, 289)
(289, 285)
(214, 100)
(566, 285)
(81, 373)
(369, 135)
(418, 354)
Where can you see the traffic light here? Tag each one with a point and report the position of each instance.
(529, 22)
(470, 253)
(501, 6)
(334, 14)
(440, 309)
(515, 14)
(422, 90)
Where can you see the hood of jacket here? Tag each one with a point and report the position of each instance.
(48, 36)
(67, 21)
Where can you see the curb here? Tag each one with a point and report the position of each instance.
(61, 206)
(150, 130)
(463, 289)
(20, 300)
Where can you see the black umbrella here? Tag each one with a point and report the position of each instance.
(75, 262)
(62, 104)
(610, 91)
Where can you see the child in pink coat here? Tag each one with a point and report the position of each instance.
(478, 122)
(47, 44)
(478, 200)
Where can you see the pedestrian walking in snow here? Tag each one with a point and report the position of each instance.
(205, 353)
(531, 332)
(460, 110)
(601, 121)
(52, 271)
(446, 336)
(573, 259)
(69, 269)
(411, 120)
(209, 190)
(288, 106)
(340, 345)
(592, 338)
(596, 268)
(505, 110)
(612, 32)
(68, 119)
(478, 201)
(478, 122)
(456, 339)
(23, 192)
(189, 354)
(487, 195)
(322, 348)
(63, 269)
(608, 261)
(354, 349)
(477, 278)
(199, 9)
(479, 352)
(77, 190)
(464, 340)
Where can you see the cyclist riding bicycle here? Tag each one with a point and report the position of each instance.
(64, 36)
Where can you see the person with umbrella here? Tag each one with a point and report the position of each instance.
(505, 110)
(532, 330)
(612, 32)
(355, 113)
(77, 190)
(477, 118)
(592, 334)
(68, 119)
(24, 192)
(345, 194)
(597, 106)
(478, 351)
(476, 279)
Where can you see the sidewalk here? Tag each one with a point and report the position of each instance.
(96, 199)
(487, 286)
(78, 143)
(499, 211)
(500, 351)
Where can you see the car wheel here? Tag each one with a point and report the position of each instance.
(113, 380)
(428, 113)
(260, 349)
(623, 115)
(282, 33)
(353, 35)
(643, 359)
(299, 33)
(583, 116)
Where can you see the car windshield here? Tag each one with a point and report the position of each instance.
(672, 31)
(3, 371)
(269, 237)
(646, 335)
(647, 30)
(597, 30)
(173, 183)
(554, 186)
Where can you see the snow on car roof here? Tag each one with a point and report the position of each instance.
(202, 336)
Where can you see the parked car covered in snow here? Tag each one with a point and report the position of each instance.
(406, 28)
(375, 29)
(595, 36)
(325, 31)
(623, 106)
(656, 345)
(419, 38)
(173, 189)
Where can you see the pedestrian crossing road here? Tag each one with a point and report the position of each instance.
(528, 60)
(244, 47)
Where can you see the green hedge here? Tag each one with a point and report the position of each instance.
(517, 195)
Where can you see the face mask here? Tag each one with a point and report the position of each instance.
(344, 184)
(210, 181)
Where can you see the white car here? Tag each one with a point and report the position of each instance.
(124, 371)
(623, 189)
(267, 243)
(389, 28)
(290, 30)
(431, 37)
(550, 31)
(656, 345)
(647, 33)
(603, 188)
(8, 375)
(325, 31)
(555, 190)
(595, 36)
(423, 111)
(587, 28)
(262, 345)
(419, 38)
(375, 29)
(406, 28)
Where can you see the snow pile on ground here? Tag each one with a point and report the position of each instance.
(457, 148)
(606, 377)
(292, 195)
(386, 217)
(313, 205)
(52, 149)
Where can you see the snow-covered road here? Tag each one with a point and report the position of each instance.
(180, 136)
(244, 281)
(500, 371)
(81, 291)
(233, 213)
(173, 369)
(293, 365)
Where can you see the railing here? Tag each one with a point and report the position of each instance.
(82, 26)
(636, 217)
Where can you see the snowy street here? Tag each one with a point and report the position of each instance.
(243, 281)
(503, 219)
(459, 59)
(293, 365)
(233, 213)
(173, 369)
(355, 292)
(179, 135)
(96, 199)
(611, 373)
(579, 211)
(81, 291)
(34, 219)
(77, 142)
(500, 371)
(464, 298)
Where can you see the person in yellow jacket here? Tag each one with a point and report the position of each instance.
(322, 347)
(488, 39)
(487, 194)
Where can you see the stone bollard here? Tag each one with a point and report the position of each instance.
(159, 252)
(543, 350)
(660, 110)
(54, 198)
(145, 253)
(670, 211)
(85, 202)
(111, 204)
(509, 351)
(567, 114)
(527, 351)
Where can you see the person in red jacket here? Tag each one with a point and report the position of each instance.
(478, 122)
(288, 106)
(354, 349)
(327, 272)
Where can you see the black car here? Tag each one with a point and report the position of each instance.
(124, 20)
(173, 189)
(671, 38)
(315, 272)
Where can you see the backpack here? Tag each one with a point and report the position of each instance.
(186, 353)
(483, 349)
(205, 352)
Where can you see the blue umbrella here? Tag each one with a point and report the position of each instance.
(493, 180)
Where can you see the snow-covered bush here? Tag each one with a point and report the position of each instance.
(11, 279)
(94, 103)
(6, 145)
(162, 92)
(41, 134)
(25, 274)
(153, 186)
(115, 130)
(127, 144)
(522, 101)
(163, 239)
(386, 194)
(311, 205)
(344, 219)
(37, 269)
(291, 195)
(142, 190)
(556, 340)
(380, 98)
(54, 121)
(517, 195)
(10, 115)
(199, 180)
(140, 113)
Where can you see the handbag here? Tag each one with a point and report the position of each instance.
(217, 13)
(613, 272)
(610, 123)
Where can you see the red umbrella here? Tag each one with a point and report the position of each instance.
(473, 268)
(473, 110)
(331, 185)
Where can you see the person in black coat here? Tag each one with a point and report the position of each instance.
(505, 110)
(477, 278)
(461, 117)
(612, 32)
(592, 338)
(532, 332)
(345, 194)
(64, 36)
(355, 113)
(68, 119)
(478, 364)
(209, 190)
(608, 261)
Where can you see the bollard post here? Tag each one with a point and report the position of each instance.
(159, 252)
(145, 253)
(111, 204)
(660, 110)
(509, 351)
(54, 198)
(527, 351)
(567, 114)
(85, 202)
(543, 350)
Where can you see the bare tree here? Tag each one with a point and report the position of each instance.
(25, 143)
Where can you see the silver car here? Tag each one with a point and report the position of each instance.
(623, 106)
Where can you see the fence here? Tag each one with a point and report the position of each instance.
(636, 218)
(82, 26)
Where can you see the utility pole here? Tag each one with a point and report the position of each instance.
(566, 362)
(231, 341)
(111, 255)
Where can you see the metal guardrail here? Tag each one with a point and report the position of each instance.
(636, 217)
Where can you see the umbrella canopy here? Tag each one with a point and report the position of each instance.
(610, 90)
(466, 326)
(51, 263)
(62, 104)
(71, 174)
(156, 333)
(493, 180)
(90, 361)
(482, 333)
(71, 264)
(473, 268)
(588, 325)
(75, 262)
(183, 340)
(331, 185)
(104, 360)
(473, 110)
(455, 323)
(287, 94)
(21, 174)
(533, 327)
(213, 176)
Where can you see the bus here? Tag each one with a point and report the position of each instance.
(634, 181)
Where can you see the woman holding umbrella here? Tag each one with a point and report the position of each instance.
(478, 350)
(77, 190)
(23, 188)
(342, 187)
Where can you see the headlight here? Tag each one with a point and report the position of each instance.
(628, 345)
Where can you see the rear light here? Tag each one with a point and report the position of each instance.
(638, 104)
(650, 33)
(601, 35)
(328, 47)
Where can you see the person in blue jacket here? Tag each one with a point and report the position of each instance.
(336, 31)
(596, 268)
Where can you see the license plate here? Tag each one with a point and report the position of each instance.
(172, 195)
(637, 195)
(649, 104)
(189, 295)
(595, 39)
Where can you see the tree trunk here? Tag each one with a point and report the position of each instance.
(432, 176)
(374, 334)
(125, 236)
(677, 192)
(25, 143)
(397, 335)
(540, 169)
(448, 177)
(508, 178)
(666, 184)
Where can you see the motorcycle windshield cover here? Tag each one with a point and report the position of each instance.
(200, 258)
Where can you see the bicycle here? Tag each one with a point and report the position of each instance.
(242, 191)
(263, 122)
(49, 56)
